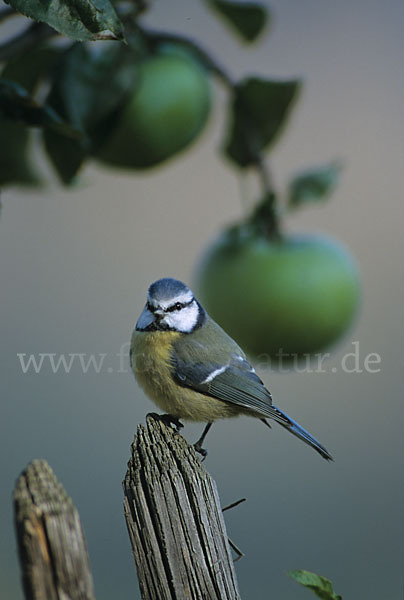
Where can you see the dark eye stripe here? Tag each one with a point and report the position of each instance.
(176, 306)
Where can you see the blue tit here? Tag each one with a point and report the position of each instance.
(193, 370)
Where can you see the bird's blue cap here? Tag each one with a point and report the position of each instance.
(167, 288)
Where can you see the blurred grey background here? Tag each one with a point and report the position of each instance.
(75, 266)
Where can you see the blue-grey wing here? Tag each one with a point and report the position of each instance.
(235, 382)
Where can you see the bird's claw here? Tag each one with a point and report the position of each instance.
(172, 421)
(202, 451)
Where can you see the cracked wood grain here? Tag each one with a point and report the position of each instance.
(51, 544)
(175, 521)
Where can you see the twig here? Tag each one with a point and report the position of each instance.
(32, 36)
(233, 504)
(232, 545)
(156, 38)
(236, 549)
(6, 13)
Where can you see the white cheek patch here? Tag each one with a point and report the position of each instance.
(145, 319)
(183, 320)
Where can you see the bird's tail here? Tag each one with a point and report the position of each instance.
(301, 433)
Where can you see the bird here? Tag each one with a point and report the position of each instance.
(193, 370)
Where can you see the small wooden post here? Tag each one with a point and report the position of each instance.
(175, 521)
(50, 539)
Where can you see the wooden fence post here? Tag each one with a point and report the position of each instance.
(175, 521)
(50, 539)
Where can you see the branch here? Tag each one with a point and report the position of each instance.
(32, 36)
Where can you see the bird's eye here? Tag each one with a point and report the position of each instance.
(149, 307)
(176, 306)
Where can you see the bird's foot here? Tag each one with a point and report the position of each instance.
(198, 444)
(202, 451)
(169, 420)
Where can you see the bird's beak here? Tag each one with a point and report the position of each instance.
(147, 318)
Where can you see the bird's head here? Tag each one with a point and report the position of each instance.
(170, 306)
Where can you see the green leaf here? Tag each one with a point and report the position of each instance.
(67, 155)
(314, 185)
(259, 111)
(319, 585)
(15, 166)
(18, 105)
(89, 87)
(247, 18)
(90, 84)
(78, 19)
(25, 70)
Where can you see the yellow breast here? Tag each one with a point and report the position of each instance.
(151, 353)
(151, 361)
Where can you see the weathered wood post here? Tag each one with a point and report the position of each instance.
(51, 545)
(175, 521)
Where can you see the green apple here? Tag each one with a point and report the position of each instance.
(168, 108)
(295, 296)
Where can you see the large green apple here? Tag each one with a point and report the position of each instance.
(168, 108)
(293, 296)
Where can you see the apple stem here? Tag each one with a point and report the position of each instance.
(265, 219)
(266, 215)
